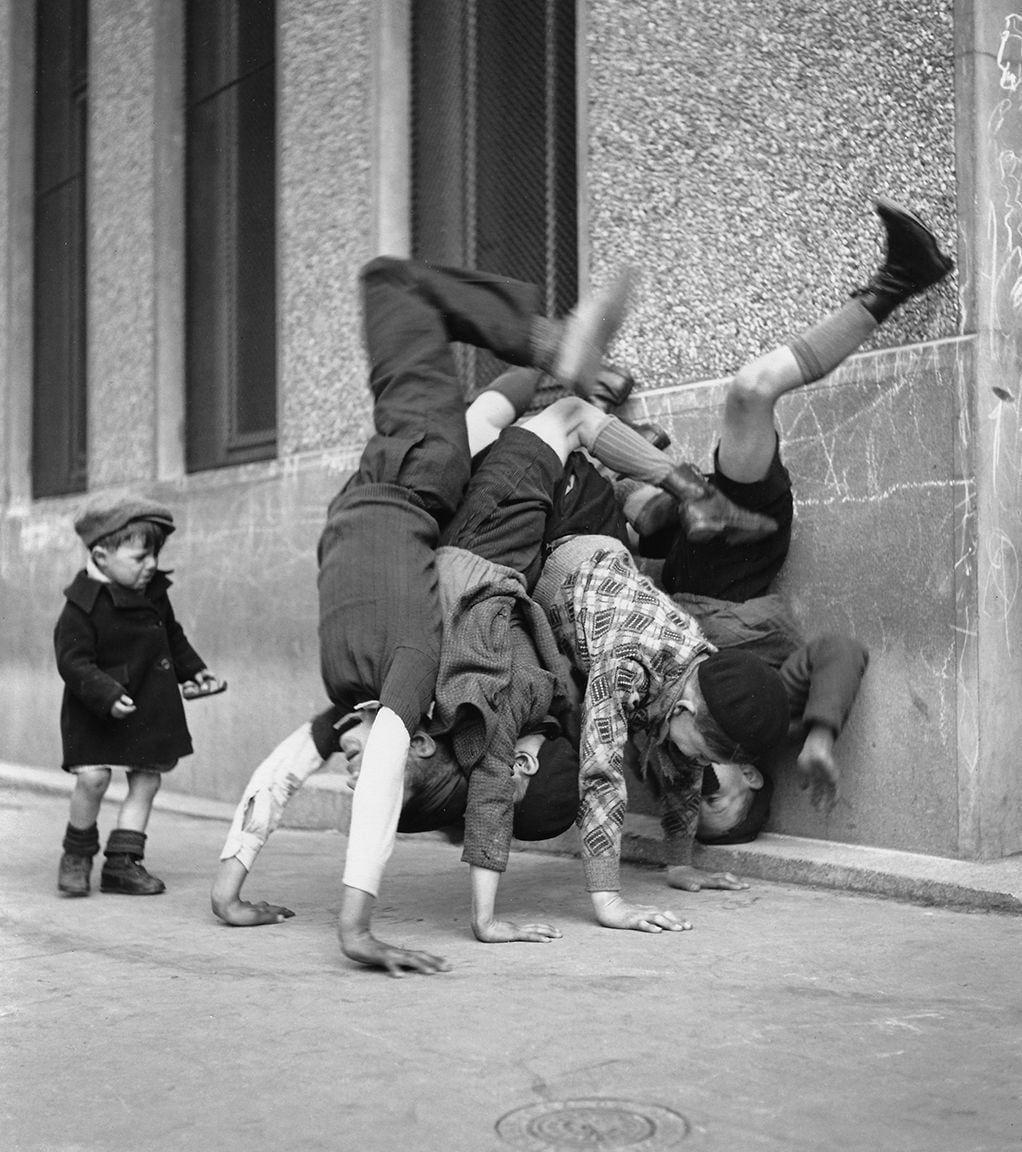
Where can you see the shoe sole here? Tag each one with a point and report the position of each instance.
(589, 332)
(114, 891)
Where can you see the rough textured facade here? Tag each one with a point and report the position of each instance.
(731, 151)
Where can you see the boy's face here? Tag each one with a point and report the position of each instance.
(726, 805)
(354, 730)
(684, 735)
(131, 564)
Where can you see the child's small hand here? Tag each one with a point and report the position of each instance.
(122, 708)
(204, 683)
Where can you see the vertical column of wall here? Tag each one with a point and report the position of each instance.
(990, 573)
(17, 34)
(122, 250)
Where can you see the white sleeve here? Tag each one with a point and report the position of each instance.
(377, 802)
(271, 786)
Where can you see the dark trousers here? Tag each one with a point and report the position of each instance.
(413, 313)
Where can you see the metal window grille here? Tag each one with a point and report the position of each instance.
(59, 398)
(230, 322)
(494, 146)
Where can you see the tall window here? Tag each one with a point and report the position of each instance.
(493, 143)
(231, 313)
(59, 459)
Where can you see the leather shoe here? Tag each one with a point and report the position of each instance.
(125, 874)
(587, 331)
(73, 877)
(707, 514)
(912, 264)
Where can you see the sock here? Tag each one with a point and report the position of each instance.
(125, 842)
(820, 349)
(518, 386)
(628, 453)
(81, 841)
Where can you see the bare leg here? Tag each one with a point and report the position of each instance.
(138, 804)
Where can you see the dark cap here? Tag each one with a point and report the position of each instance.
(106, 514)
(550, 805)
(746, 699)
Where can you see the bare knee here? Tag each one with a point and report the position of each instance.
(92, 785)
(752, 389)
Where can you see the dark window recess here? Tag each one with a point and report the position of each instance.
(230, 305)
(494, 182)
(59, 398)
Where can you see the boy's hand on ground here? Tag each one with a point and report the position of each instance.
(508, 932)
(242, 914)
(613, 912)
(366, 949)
(691, 879)
(123, 707)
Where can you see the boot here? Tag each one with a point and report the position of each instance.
(73, 877)
(123, 871)
(587, 331)
(706, 513)
(612, 388)
(80, 845)
(912, 264)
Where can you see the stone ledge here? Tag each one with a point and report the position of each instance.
(324, 804)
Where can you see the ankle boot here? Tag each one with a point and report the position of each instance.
(611, 388)
(74, 873)
(587, 331)
(123, 871)
(912, 264)
(706, 513)
(80, 845)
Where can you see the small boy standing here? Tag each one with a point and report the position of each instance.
(121, 654)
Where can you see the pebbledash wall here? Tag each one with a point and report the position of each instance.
(730, 151)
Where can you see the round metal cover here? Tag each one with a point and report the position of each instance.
(567, 1125)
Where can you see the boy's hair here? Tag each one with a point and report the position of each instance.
(148, 533)
(550, 804)
(433, 799)
(751, 824)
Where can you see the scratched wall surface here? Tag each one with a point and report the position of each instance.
(734, 148)
(877, 498)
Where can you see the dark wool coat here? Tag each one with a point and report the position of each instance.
(111, 640)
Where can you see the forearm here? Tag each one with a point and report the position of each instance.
(680, 814)
(376, 805)
(484, 883)
(822, 680)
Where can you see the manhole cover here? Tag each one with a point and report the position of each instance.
(564, 1125)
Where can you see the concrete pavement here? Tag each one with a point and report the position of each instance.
(791, 1017)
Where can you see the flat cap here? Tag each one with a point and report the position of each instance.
(106, 514)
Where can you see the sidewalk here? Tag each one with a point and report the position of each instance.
(992, 885)
(790, 1019)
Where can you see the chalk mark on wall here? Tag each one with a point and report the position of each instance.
(1009, 55)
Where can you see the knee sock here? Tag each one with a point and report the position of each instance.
(81, 841)
(628, 453)
(518, 386)
(823, 347)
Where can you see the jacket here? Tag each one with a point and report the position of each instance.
(110, 641)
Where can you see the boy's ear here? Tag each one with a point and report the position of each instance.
(423, 745)
(753, 776)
